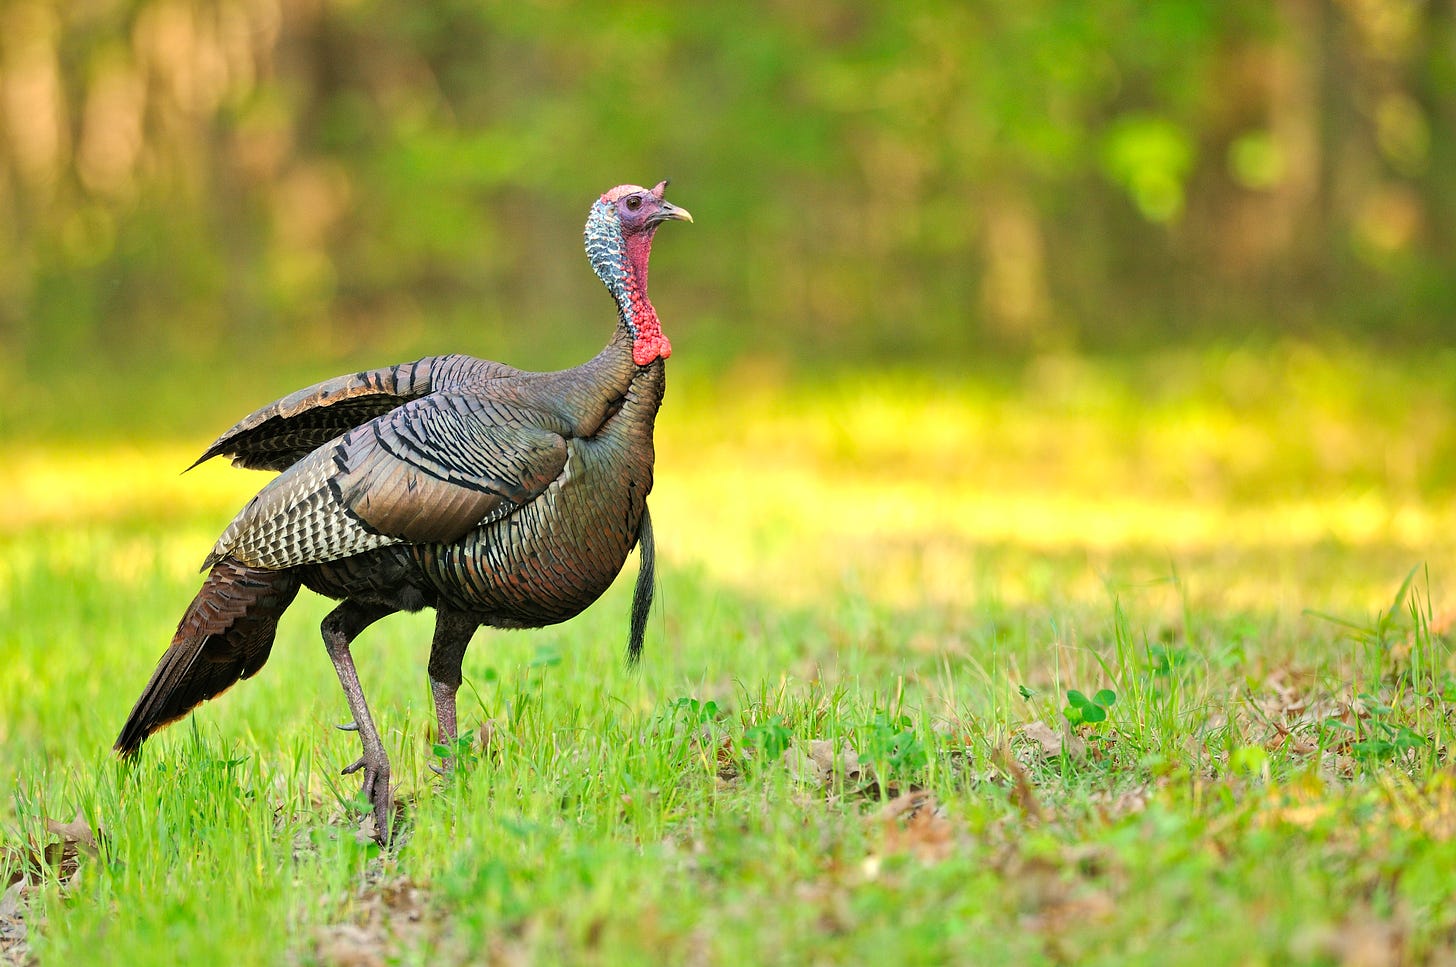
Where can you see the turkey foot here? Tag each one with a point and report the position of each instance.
(376, 790)
(341, 626)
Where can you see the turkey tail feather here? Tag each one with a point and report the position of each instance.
(225, 635)
(642, 593)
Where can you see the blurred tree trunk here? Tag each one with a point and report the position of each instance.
(1296, 215)
(1432, 83)
(1014, 286)
(1341, 159)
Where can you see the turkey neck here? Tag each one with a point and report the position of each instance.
(616, 390)
(635, 310)
(620, 261)
(628, 372)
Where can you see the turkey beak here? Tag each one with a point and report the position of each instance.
(669, 212)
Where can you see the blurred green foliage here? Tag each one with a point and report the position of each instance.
(256, 181)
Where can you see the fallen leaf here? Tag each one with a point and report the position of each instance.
(1129, 801)
(1368, 942)
(76, 833)
(386, 918)
(1061, 912)
(908, 804)
(350, 945)
(1439, 627)
(1362, 939)
(820, 762)
(1336, 767)
(368, 831)
(915, 823)
(14, 863)
(485, 739)
(63, 858)
(10, 900)
(727, 760)
(14, 932)
(402, 897)
(1023, 793)
(1053, 744)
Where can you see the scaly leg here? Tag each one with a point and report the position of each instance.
(453, 632)
(341, 627)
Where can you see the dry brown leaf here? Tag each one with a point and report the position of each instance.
(915, 823)
(1289, 698)
(1367, 942)
(350, 945)
(1293, 744)
(1125, 803)
(1443, 622)
(1062, 912)
(14, 863)
(389, 913)
(368, 831)
(402, 898)
(63, 857)
(22, 864)
(1051, 744)
(907, 805)
(1439, 627)
(14, 933)
(10, 900)
(485, 739)
(76, 833)
(1336, 767)
(1023, 792)
(820, 762)
(727, 760)
(1362, 939)
(721, 750)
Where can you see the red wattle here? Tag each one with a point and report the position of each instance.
(650, 346)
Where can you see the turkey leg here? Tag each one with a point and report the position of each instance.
(341, 627)
(453, 631)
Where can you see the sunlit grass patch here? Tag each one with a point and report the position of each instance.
(1269, 475)
(1071, 667)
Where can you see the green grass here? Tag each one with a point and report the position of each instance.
(904, 578)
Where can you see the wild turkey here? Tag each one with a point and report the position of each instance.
(495, 496)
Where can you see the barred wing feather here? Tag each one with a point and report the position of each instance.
(430, 470)
(285, 431)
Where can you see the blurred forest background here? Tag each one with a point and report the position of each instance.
(286, 183)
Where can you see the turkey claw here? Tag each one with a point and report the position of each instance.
(376, 791)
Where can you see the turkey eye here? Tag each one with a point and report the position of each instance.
(634, 202)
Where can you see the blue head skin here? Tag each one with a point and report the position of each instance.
(619, 233)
